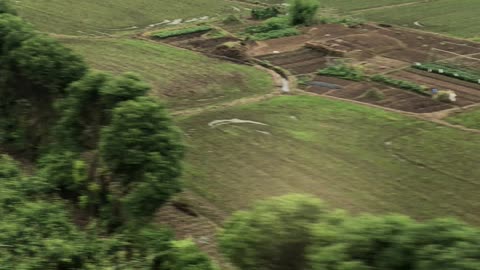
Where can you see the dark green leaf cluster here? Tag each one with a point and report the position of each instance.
(34, 71)
(303, 11)
(411, 86)
(264, 13)
(272, 28)
(297, 232)
(117, 154)
(5, 7)
(343, 71)
(38, 232)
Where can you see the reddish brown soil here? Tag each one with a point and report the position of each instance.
(380, 64)
(394, 98)
(397, 43)
(333, 80)
(301, 61)
(465, 95)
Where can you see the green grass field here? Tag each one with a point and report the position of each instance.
(470, 119)
(453, 17)
(354, 157)
(183, 78)
(348, 5)
(89, 16)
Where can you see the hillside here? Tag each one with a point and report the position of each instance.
(356, 158)
(183, 78)
(339, 134)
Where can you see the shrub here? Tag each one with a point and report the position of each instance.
(272, 28)
(264, 13)
(273, 235)
(276, 34)
(344, 71)
(374, 94)
(400, 84)
(180, 32)
(277, 23)
(303, 11)
(348, 21)
(231, 19)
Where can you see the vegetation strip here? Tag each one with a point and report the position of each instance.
(180, 32)
(465, 75)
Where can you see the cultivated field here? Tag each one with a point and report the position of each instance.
(183, 78)
(352, 156)
(388, 51)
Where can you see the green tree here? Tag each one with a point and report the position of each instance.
(446, 244)
(366, 242)
(395, 243)
(185, 255)
(6, 7)
(141, 149)
(48, 64)
(35, 71)
(303, 11)
(273, 235)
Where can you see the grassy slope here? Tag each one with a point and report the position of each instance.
(354, 157)
(454, 17)
(182, 77)
(72, 16)
(470, 119)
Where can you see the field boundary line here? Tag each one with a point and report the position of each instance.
(358, 11)
(419, 116)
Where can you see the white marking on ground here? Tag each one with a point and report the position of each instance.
(176, 22)
(263, 132)
(418, 24)
(218, 123)
(285, 86)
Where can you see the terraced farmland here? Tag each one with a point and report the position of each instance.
(301, 61)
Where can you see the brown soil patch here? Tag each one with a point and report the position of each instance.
(465, 95)
(301, 61)
(380, 64)
(394, 98)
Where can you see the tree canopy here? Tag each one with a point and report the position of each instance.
(299, 228)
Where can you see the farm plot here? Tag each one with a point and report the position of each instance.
(198, 42)
(393, 98)
(301, 61)
(465, 95)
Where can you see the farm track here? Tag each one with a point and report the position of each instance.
(389, 6)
